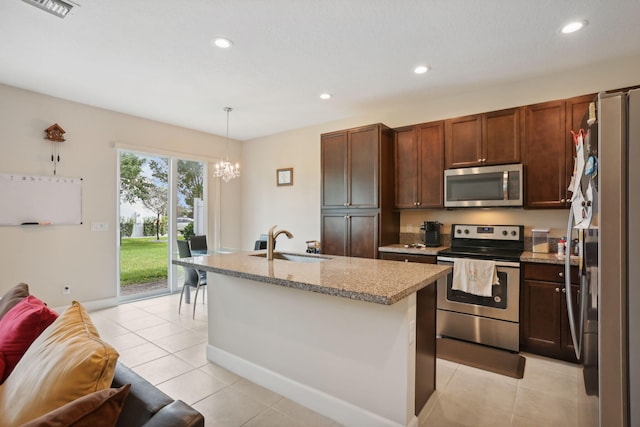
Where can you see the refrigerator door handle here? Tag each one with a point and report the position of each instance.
(577, 338)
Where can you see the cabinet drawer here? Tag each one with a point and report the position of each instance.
(425, 259)
(548, 272)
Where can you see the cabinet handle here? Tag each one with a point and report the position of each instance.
(479, 160)
(557, 289)
(417, 203)
(561, 274)
(406, 260)
(564, 291)
(562, 200)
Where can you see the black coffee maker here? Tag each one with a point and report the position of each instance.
(431, 233)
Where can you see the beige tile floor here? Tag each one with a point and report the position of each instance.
(169, 351)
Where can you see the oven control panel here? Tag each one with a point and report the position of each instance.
(489, 232)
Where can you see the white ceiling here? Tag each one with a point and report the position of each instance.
(154, 59)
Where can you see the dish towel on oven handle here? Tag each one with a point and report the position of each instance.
(474, 276)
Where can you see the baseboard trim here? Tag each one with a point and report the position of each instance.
(91, 305)
(319, 401)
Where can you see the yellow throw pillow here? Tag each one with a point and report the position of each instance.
(67, 361)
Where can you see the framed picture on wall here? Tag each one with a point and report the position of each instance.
(284, 177)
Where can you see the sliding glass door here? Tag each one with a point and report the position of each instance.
(161, 201)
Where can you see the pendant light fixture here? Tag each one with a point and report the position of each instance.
(224, 169)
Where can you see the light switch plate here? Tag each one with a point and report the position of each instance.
(99, 226)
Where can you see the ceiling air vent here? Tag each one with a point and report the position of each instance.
(54, 7)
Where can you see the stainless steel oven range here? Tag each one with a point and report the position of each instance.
(493, 320)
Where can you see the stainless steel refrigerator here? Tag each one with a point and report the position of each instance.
(605, 217)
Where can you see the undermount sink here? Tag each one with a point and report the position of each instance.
(293, 257)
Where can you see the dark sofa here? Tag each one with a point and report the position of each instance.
(148, 406)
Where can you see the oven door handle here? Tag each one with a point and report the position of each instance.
(498, 263)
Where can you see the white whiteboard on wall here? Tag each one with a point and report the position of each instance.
(31, 200)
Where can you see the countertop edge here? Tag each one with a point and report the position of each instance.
(353, 295)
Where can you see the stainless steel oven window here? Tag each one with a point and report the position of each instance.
(510, 275)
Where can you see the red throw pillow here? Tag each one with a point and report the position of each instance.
(19, 328)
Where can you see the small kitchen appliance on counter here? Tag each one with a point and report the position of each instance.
(432, 236)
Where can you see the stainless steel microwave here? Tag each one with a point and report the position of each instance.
(483, 186)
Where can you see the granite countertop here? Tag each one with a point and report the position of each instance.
(402, 249)
(370, 280)
(546, 258)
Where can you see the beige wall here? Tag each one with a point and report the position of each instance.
(47, 258)
(50, 257)
(297, 208)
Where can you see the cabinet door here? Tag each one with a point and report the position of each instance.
(501, 137)
(363, 167)
(430, 138)
(406, 168)
(576, 108)
(363, 235)
(463, 140)
(334, 233)
(334, 169)
(545, 155)
(541, 317)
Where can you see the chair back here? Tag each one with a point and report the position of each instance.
(199, 243)
(183, 249)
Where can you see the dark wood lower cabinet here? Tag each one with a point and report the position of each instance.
(544, 325)
(350, 233)
(425, 345)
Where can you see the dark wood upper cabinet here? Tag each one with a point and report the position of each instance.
(334, 149)
(502, 136)
(351, 165)
(492, 138)
(463, 141)
(419, 153)
(545, 155)
(549, 150)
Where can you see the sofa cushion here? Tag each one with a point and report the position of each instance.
(19, 328)
(12, 297)
(100, 408)
(67, 361)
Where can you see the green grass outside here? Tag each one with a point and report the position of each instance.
(142, 260)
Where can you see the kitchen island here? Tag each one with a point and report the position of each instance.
(351, 338)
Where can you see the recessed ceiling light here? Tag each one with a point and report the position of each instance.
(222, 42)
(421, 69)
(54, 7)
(572, 27)
(325, 95)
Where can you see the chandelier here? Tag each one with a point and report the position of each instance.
(226, 170)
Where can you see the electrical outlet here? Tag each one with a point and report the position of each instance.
(66, 290)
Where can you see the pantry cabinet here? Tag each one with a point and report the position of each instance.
(544, 325)
(419, 166)
(357, 190)
(492, 138)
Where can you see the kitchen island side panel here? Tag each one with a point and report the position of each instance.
(349, 360)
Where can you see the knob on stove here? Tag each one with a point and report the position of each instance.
(466, 231)
(458, 231)
(513, 233)
(504, 232)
